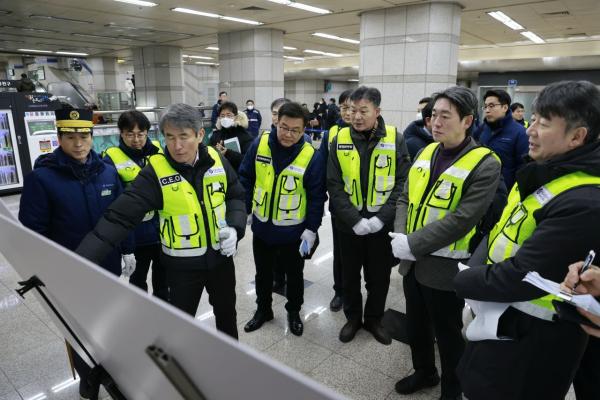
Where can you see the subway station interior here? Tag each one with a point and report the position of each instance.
(110, 56)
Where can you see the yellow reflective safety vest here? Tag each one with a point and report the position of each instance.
(517, 224)
(333, 131)
(444, 195)
(382, 169)
(280, 197)
(188, 226)
(128, 169)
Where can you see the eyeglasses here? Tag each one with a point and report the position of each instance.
(295, 132)
(491, 105)
(131, 135)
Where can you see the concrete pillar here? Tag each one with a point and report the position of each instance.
(251, 67)
(409, 52)
(306, 91)
(201, 84)
(158, 76)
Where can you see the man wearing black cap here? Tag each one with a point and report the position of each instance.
(67, 193)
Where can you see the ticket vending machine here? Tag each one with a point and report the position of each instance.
(40, 127)
(11, 173)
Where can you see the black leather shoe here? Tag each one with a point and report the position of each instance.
(295, 323)
(416, 382)
(260, 317)
(336, 303)
(378, 332)
(349, 331)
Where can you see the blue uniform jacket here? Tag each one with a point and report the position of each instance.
(63, 200)
(254, 121)
(146, 233)
(508, 139)
(314, 184)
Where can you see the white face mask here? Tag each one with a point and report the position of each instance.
(419, 116)
(226, 122)
(250, 107)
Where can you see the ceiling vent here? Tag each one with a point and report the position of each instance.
(253, 8)
(557, 14)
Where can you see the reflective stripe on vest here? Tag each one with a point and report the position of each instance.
(517, 224)
(187, 227)
(285, 191)
(382, 169)
(444, 195)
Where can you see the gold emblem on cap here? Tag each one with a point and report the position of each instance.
(74, 115)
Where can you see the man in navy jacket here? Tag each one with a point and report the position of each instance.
(254, 118)
(66, 194)
(503, 134)
(277, 244)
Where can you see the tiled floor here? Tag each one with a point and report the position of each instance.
(33, 364)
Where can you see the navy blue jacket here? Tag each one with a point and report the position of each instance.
(254, 121)
(416, 136)
(63, 200)
(508, 139)
(146, 233)
(314, 184)
(215, 114)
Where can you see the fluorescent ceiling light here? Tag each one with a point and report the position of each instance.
(301, 6)
(341, 39)
(50, 17)
(217, 16)
(34, 51)
(352, 80)
(205, 63)
(355, 67)
(293, 58)
(71, 53)
(138, 3)
(322, 53)
(506, 20)
(289, 48)
(212, 48)
(120, 61)
(533, 37)
(199, 57)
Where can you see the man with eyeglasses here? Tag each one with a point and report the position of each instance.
(285, 192)
(129, 157)
(200, 204)
(502, 133)
(366, 170)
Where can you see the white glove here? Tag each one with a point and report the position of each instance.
(228, 241)
(308, 240)
(249, 220)
(375, 224)
(362, 227)
(128, 265)
(400, 246)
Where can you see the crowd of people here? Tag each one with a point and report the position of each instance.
(451, 189)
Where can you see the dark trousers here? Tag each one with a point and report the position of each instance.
(269, 257)
(186, 286)
(338, 283)
(144, 255)
(373, 254)
(587, 378)
(433, 313)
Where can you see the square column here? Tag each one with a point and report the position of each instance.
(251, 67)
(158, 76)
(409, 53)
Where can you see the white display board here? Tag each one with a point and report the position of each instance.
(117, 322)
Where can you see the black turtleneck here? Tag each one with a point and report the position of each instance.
(445, 158)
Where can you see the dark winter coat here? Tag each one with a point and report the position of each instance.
(63, 200)
(417, 137)
(237, 131)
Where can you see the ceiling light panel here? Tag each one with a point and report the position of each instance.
(533, 37)
(289, 48)
(333, 37)
(216, 16)
(506, 20)
(34, 51)
(138, 3)
(301, 6)
(322, 53)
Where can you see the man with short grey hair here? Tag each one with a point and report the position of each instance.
(202, 214)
